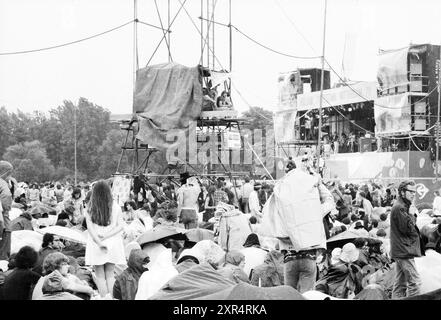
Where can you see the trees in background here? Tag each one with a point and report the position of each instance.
(41, 146)
(30, 161)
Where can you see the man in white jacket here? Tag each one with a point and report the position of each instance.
(300, 268)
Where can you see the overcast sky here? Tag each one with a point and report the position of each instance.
(101, 69)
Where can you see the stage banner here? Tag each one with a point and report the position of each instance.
(392, 68)
(288, 84)
(392, 114)
(358, 92)
(284, 126)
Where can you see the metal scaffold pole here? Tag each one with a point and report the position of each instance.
(438, 117)
(319, 144)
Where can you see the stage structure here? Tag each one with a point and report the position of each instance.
(388, 127)
(175, 110)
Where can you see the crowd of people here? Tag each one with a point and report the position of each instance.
(171, 231)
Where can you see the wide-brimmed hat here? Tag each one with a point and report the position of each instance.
(349, 253)
(335, 255)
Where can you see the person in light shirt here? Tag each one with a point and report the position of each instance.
(437, 204)
(254, 203)
(245, 192)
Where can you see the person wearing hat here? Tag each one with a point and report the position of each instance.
(245, 191)
(405, 242)
(6, 202)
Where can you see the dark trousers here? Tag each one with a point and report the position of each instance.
(5, 245)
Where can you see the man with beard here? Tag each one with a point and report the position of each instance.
(405, 242)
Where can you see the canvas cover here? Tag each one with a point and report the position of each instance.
(194, 283)
(296, 211)
(234, 229)
(167, 97)
(430, 276)
(21, 238)
(245, 291)
(160, 271)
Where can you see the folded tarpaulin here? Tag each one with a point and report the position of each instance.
(295, 211)
(245, 291)
(167, 97)
(194, 283)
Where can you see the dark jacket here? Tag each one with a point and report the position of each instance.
(404, 234)
(126, 284)
(23, 222)
(270, 272)
(19, 284)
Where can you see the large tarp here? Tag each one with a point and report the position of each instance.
(194, 283)
(284, 126)
(167, 98)
(388, 167)
(392, 114)
(392, 68)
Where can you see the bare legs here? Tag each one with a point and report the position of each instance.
(105, 278)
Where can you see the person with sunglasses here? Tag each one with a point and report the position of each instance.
(405, 242)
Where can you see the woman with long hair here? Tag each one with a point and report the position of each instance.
(105, 246)
(76, 202)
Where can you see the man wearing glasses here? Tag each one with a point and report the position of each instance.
(405, 242)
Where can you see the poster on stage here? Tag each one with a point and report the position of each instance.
(284, 126)
(392, 114)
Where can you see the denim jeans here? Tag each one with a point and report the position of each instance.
(407, 280)
(300, 274)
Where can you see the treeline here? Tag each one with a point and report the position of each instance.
(41, 146)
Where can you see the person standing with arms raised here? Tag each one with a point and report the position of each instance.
(405, 242)
(104, 246)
